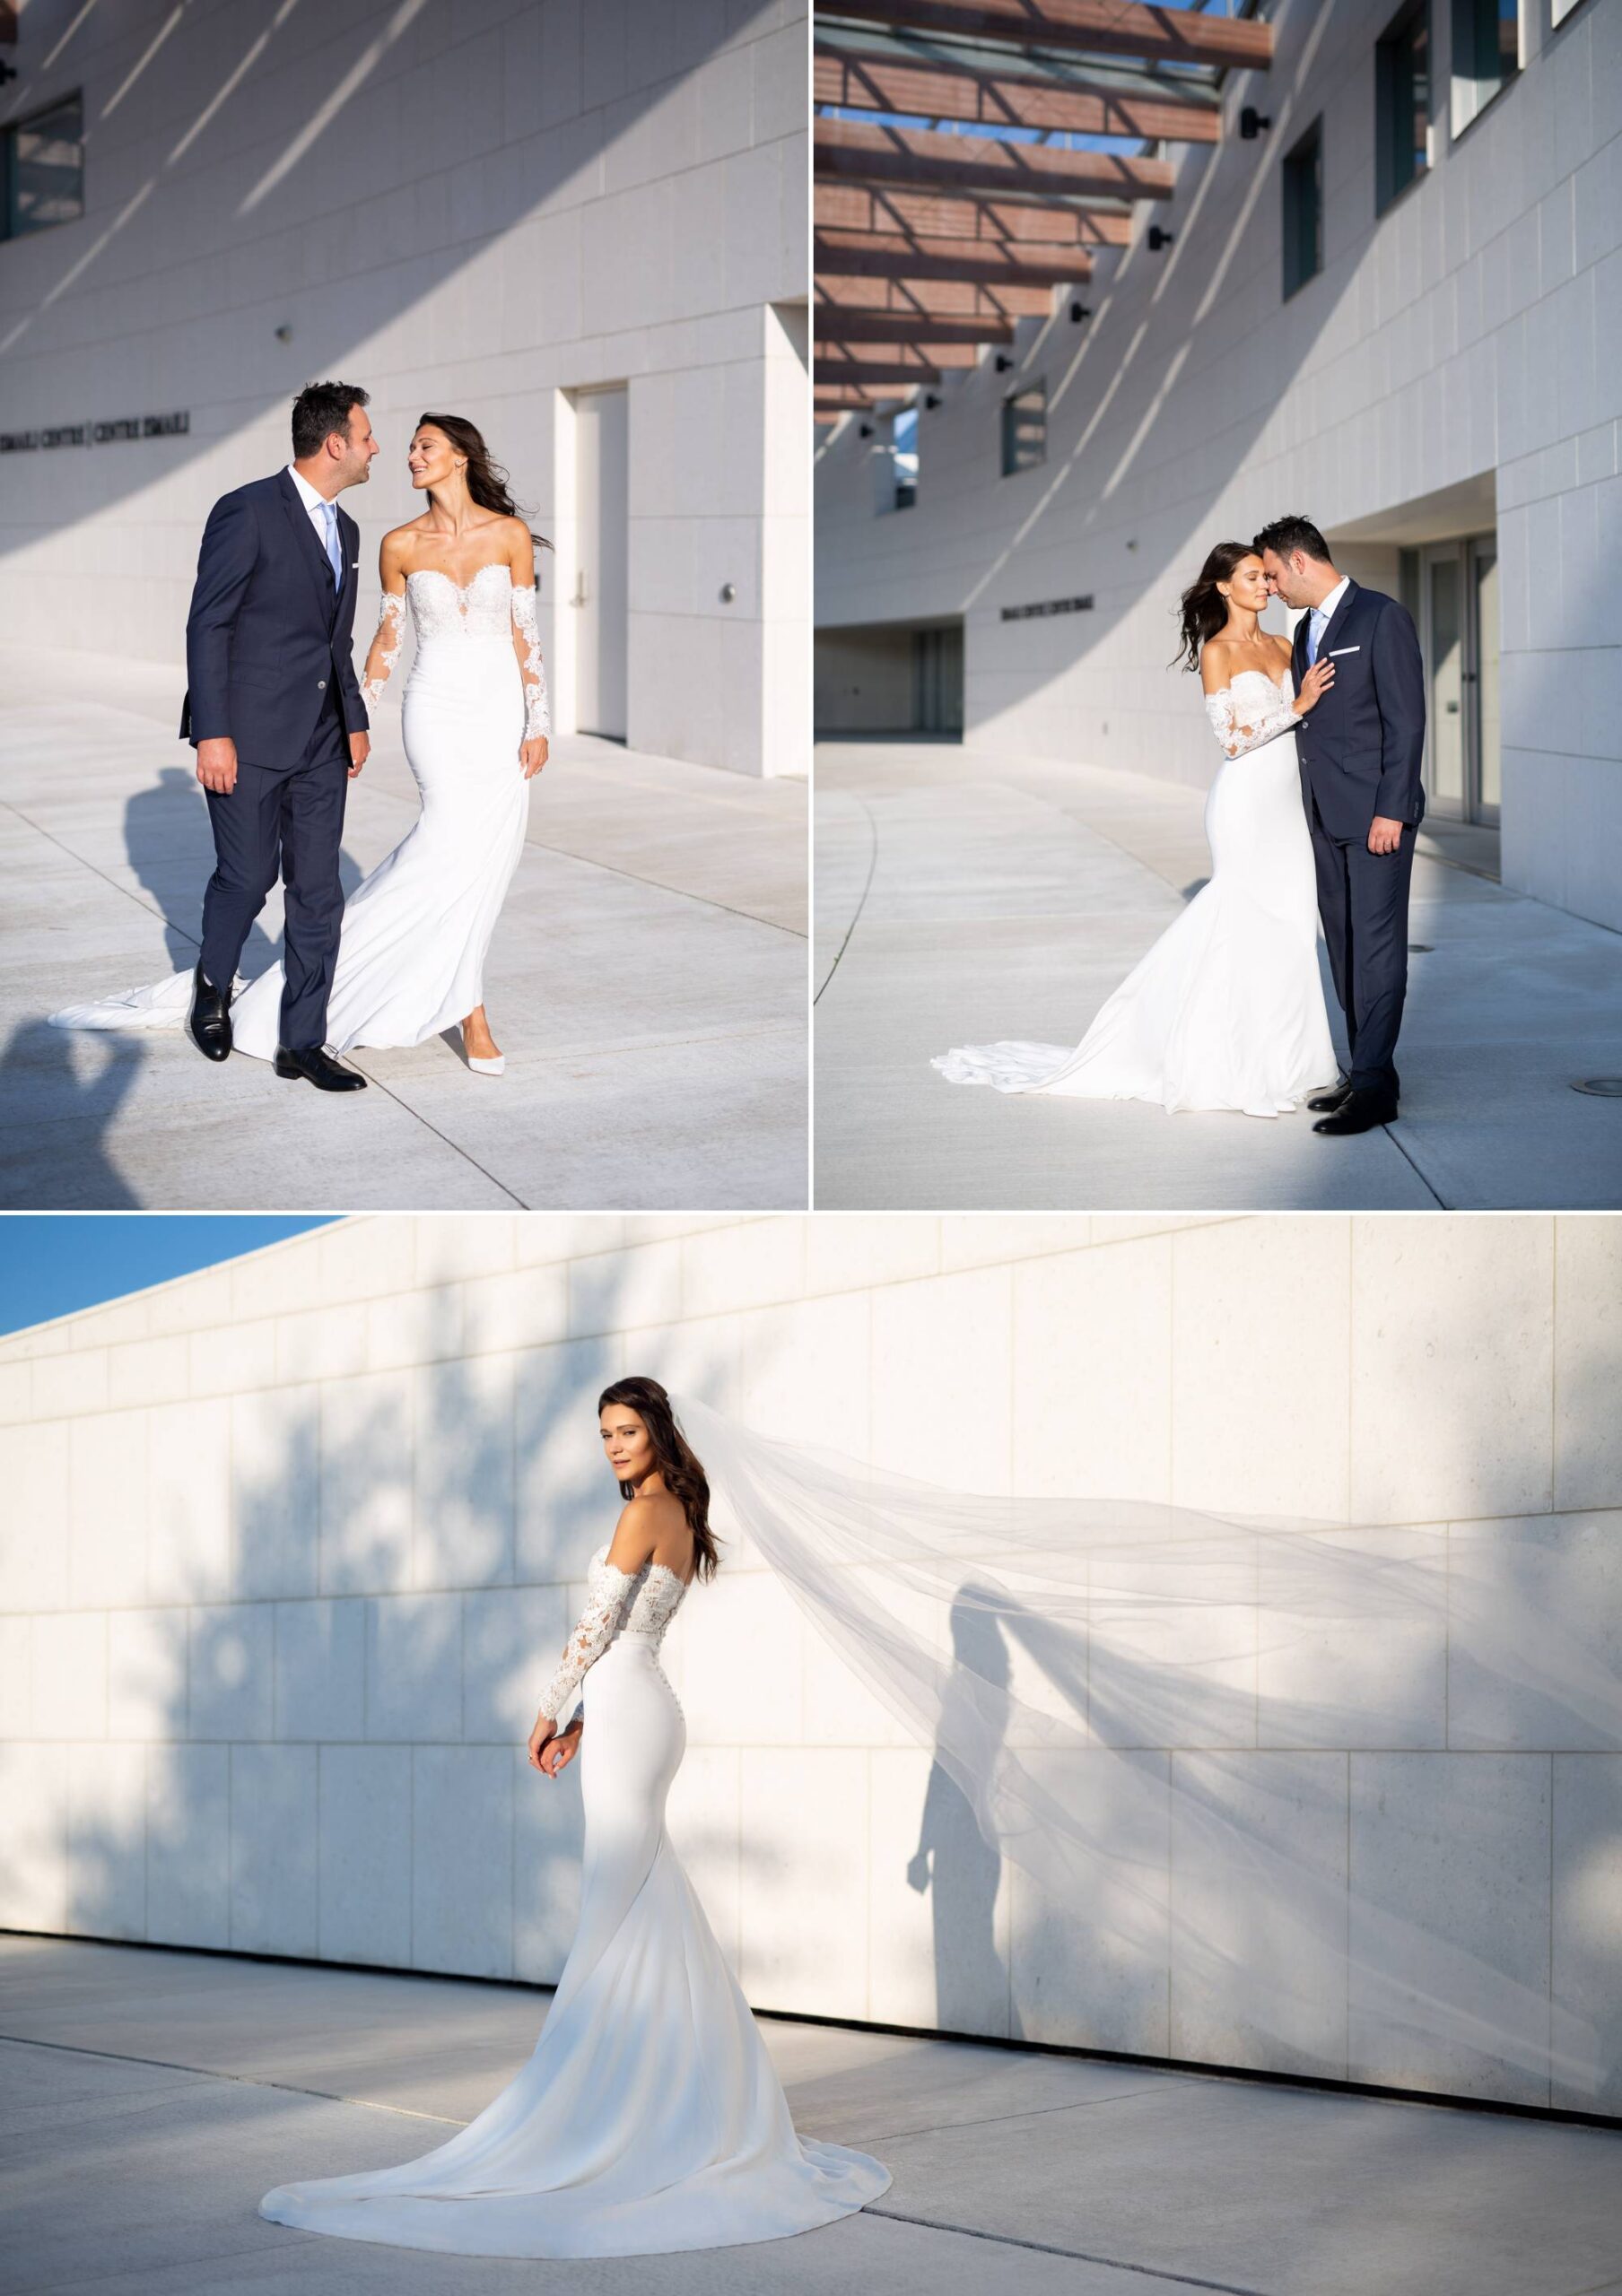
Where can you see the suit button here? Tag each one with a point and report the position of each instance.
(321, 684)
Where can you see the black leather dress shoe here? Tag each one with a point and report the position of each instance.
(208, 1023)
(318, 1067)
(1336, 1097)
(1362, 1112)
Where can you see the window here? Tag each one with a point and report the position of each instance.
(1303, 210)
(1486, 55)
(44, 170)
(1402, 99)
(1024, 430)
(904, 450)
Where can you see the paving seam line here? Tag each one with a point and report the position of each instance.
(244, 2080)
(992, 2120)
(862, 898)
(1048, 2248)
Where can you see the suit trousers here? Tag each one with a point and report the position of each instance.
(1363, 903)
(287, 820)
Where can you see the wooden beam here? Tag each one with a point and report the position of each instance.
(850, 150)
(943, 88)
(835, 323)
(883, 256)
(874, 371)
(935, 298)
(1106, 26)
(1032, 228)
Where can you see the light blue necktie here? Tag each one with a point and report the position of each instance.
(334, 556)
(1314, 632)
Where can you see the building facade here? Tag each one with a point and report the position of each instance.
(581, 223)
(1394, 305)
(291, 1545)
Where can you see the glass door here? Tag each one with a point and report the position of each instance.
(1458, 637)
(1443, 637)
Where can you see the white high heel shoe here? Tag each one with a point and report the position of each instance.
(495, 1067)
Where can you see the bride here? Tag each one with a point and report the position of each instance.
(416, 930)
(1226, 1010)
(649, 2116)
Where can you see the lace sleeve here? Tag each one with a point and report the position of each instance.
(527, 645)
(592, 1635)
(385, 648)
(1238, 735)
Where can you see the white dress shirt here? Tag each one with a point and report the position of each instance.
(1318, 621)
(323, 518)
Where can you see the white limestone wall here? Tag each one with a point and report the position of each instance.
(289, 1547)
(478, 208)
(1471, 338)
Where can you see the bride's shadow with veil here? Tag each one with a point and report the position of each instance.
(169, 845)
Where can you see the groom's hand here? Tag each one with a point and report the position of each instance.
(217, 764)
(360, 749)
(1385, 836)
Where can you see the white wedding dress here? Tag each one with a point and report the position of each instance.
(1226, 1010)
(649, 2117)
(416, 930)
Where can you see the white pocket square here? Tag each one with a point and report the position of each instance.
(1344, 649)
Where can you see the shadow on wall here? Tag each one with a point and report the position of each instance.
(398, 87)
(354, 1586)
(1153, 377)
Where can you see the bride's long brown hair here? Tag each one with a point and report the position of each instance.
(684, 1477)
(1202, 609)
(487, 481)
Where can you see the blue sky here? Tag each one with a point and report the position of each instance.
(53, 1263)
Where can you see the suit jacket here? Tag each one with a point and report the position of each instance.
(1362, 747)
(269, 633)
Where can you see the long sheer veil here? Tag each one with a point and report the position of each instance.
(1026, 1640)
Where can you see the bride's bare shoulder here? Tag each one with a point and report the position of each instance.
(399, 542)
(1215, 664)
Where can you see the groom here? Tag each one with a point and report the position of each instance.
(1360, 748)
(276, 715)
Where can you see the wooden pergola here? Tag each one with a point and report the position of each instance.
(931, 241)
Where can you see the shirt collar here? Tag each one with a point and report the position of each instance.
(307, 492)
(1327, 606)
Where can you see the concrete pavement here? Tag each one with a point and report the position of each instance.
(646, 981)
(962, 898)
(149, 2097)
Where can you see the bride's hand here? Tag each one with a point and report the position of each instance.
(545, 1730)
(1315, 686)
(532, 756)
(563, 1750)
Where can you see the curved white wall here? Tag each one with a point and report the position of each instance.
(290, 1546)
(1469, 339)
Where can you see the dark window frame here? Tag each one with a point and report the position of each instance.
(1464, 10)
(1012, 465)
(1390, 146)
(1299, 188)
(9, 134)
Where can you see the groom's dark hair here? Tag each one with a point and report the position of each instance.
(318, 410)
(1286, 534)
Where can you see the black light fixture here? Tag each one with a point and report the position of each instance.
(1251, 124)
(1079, 311)
(930, 400)
(1003, 363)
(865, 430)
(1159, 236)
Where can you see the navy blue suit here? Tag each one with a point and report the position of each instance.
(1360, 751)
(268, 661)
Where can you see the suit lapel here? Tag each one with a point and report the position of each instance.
(349, 538)
(304, 538)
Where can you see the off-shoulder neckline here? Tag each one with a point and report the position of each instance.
(602, 1556)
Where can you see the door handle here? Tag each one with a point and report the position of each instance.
(1452, 709)
(579, 599)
